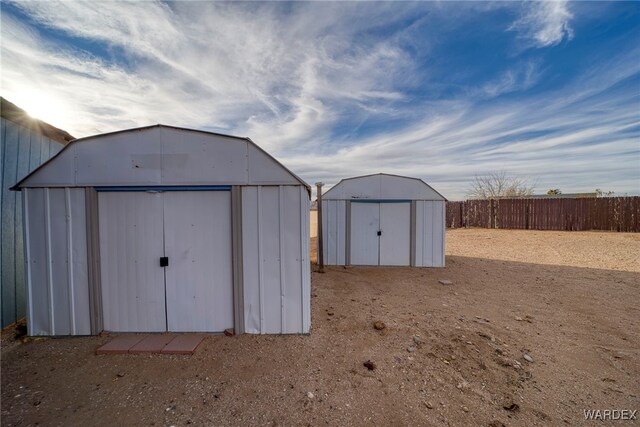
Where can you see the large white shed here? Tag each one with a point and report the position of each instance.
(166, 229)
(383, 220)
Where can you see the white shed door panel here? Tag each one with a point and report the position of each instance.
(193, 229)
(131, 244)
(199, 275)
(395, 240)
(365, 223)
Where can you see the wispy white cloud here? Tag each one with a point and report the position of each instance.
(283, 77)
(588, 139)
(544, 23)
(301, 79)
(517, 78)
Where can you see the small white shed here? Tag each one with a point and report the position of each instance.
(166, 229)
(383, 220)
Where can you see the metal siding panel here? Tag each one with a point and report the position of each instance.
(270, 260)
(3, 145)
(236, 243)
(281, 255)
(44, 149)
(59, 268)
(54, 148)
(443, 230)
(251, 260)
(395, 241)
(37, 260)
(396, 187)
(2, 186)
(25, 210)
(365, 223)
(22, 170)
(199, 282)
(133, 294)
(3, 142)
(305, 262)
(79, 267)
(35, 158)
(7, 246)
(340, 232)
(334, 225)
(420, 232)
(412, 234)
(58, 173)
(326, 232)
(438, 234)
(20, 153)
(329, 228)
(198, 158)
(364, 188)
(292, 258)
(122, 159)
(93, 260)
(265, 170)
(427, 251)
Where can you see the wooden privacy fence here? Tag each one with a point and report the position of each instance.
(595, 213)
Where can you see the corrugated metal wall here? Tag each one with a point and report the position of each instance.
(21, 151)
(275, 244)
(57, 277)
(430, 229)
(334, 230)
(275, 260)
(429, 233)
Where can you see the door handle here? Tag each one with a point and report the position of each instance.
(164, 261)
(380, 233)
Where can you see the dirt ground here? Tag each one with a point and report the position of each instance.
(449, 355)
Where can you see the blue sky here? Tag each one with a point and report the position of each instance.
(444, 91)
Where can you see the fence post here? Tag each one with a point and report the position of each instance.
(492, 213)
(526, 217)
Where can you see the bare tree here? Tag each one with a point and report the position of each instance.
(600, 193)
(499, 185)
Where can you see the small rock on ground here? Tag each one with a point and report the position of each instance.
(369, 365)
(528, 358)
(445, 282)
(378, 325)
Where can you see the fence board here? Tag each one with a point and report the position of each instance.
(601, 213)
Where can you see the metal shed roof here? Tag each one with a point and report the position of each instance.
(161, 155)
(382, 186)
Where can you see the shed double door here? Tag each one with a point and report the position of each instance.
(191, 232)
(380, 233)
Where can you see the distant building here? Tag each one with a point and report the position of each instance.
(25, 143)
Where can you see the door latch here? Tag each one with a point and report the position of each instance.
(379, 232)
(164, 261)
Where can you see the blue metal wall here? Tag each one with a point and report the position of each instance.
(21, 151)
